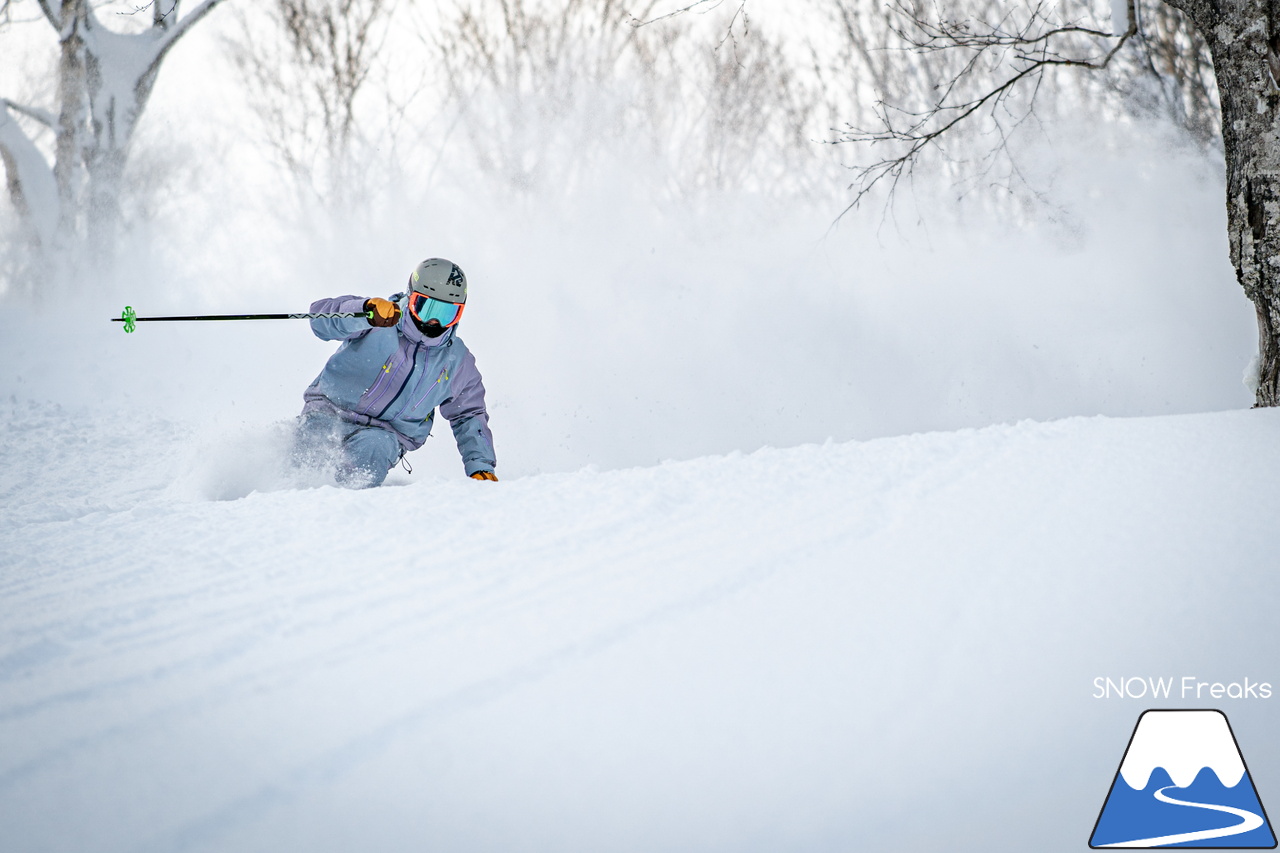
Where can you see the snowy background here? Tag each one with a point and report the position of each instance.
(809, 535)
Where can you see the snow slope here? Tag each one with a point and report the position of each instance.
(883, 645)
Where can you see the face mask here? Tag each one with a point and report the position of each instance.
(430, 330)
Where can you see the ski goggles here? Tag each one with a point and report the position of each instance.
(427, 308)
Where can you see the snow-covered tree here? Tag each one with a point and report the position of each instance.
(104, 80)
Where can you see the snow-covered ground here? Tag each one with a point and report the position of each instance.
(884, 645)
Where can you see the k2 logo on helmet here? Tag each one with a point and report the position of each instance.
(1182, 783)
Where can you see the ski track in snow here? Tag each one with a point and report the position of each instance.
(747, 652)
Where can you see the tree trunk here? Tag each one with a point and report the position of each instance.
(117, 98)
(73, 106)
(105, 187)
(1244, 38)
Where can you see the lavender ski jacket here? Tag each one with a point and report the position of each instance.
(395, 377)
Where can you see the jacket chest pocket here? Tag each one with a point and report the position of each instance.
(430, 392)
(383, 377)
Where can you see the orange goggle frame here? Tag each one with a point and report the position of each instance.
(426, 308)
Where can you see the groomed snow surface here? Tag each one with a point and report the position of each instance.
(877, 645)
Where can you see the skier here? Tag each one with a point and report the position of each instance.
(377, 396)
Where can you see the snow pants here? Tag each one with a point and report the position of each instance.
(360, 456)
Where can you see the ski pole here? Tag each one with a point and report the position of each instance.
(130, 317)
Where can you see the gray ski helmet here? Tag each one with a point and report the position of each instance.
(440, 279)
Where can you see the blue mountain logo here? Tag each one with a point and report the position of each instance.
(1182, 783)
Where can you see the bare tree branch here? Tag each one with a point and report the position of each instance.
(638, 22)
(729, 36)
(52, 12)
(45, 117)
(1030, 49)
(170, 33)
(163, 14)
(173, 32)
(29, 181)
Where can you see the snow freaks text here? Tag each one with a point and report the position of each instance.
(1186, 687)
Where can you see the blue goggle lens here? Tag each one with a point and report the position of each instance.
(427, 308)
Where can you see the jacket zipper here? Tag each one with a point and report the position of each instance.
(387, 369)
(403, 388)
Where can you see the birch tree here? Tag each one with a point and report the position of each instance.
(104, 81)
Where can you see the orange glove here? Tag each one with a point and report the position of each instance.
(485, 475)
(385, 313)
